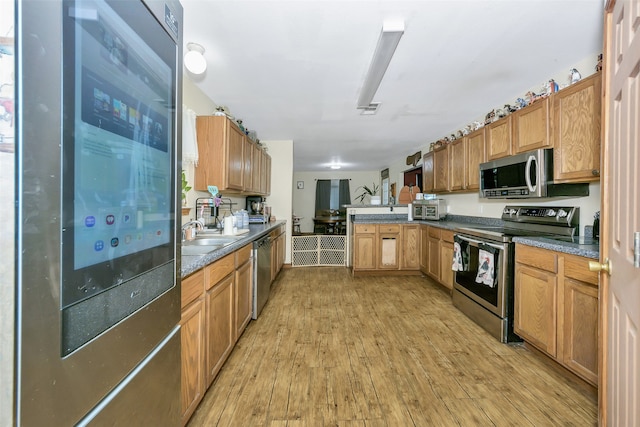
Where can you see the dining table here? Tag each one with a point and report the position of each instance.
(331, 224)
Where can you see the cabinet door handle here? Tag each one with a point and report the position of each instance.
(595, 172)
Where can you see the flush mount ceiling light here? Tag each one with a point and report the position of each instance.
(387, 43)
(335, 166)
(194, 60)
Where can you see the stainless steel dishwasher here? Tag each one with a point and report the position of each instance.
(261, 274)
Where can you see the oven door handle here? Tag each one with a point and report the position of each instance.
(479, 242)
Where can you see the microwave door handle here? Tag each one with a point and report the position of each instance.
(527, 174)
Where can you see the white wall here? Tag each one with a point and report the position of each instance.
(304, 200)
(281, 199)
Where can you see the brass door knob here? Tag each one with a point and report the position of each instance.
(596, 266)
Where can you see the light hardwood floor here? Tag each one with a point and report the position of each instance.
(330, 349)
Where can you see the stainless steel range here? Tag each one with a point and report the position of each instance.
(484, 262)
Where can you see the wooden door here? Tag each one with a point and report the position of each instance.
(498, 136)
(219, 325)
(535, 308)
(424, 249)
(364, 251)
(235, 161)
(427, 172)
(458, 165)
(476, 154)
(620, 374)
(243, 297)
(410, 255)
(441, 169)
(576, 131)
(531, 127)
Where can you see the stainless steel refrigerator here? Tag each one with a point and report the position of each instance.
(98, 119)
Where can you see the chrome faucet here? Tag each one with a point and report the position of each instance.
(196, 222)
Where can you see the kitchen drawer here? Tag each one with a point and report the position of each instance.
(243, 254)
(446, 235)
(191, 288)
(542, 259)
(364, 228)
(388, 228)
(577, 267)
(434, 232)
(220, 269)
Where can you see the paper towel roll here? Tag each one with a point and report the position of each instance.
(228, 225)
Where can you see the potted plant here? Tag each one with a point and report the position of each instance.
(185, 189)
(372, 192)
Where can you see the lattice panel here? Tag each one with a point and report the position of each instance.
(318, 250)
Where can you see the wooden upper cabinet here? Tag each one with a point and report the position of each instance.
(247, 179)
(476, 154)
(498, 139)
(576, 131)
(531, 128)
(441, 169)
(221, 153)
(458, 160)
(427, 173)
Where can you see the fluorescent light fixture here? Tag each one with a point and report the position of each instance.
(194, 60)
(387, 43)
(335, 166)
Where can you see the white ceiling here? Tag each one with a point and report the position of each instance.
(293, 69)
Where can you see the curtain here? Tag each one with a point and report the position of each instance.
(323, 194)
(326, 192)
(189, 139)
(345, 196)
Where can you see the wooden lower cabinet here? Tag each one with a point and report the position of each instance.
(243, 290)
(216, 308)
(446, 257)
(433, 244)
(556, 308)
(192, 325)
(424, 249)
(220, 333)
(386, 248)
(410, 253)
(535, 316)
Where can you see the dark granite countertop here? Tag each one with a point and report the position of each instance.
(193, 263)
(579, 245)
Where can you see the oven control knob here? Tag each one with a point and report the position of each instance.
(551, 212)
(562, 213)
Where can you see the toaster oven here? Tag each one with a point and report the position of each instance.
(433, 209)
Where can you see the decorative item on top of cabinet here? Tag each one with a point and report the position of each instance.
(531, 127)
(576, 131)
(498, 139)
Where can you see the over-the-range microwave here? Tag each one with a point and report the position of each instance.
(525, 176)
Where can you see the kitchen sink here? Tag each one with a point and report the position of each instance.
(211, 241)
(199, 249)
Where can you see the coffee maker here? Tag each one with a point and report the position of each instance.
(255, 207)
